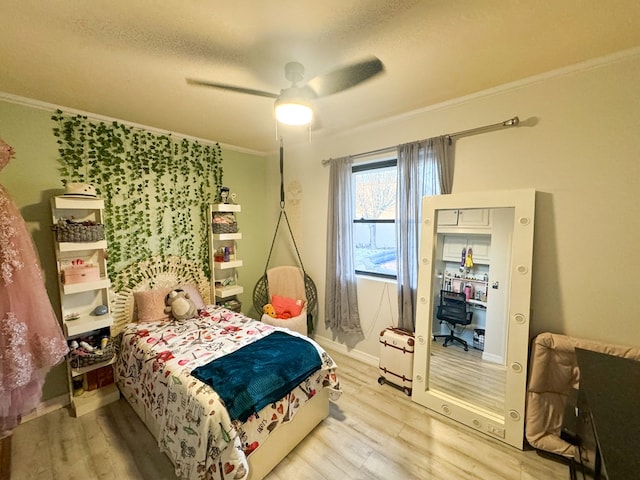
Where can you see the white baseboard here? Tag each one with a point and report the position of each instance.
(490, 357)
(353, 353)
(47, 406)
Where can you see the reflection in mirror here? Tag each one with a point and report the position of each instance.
(467, 268)
(473, 309)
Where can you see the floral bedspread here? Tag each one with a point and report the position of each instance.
(195, 428)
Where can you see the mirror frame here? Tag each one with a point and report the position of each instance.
(510, 427)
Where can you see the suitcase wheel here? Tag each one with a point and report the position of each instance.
(407, 391)
(381, 380)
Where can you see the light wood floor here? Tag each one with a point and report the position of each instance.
(373, 432)
(467, 376)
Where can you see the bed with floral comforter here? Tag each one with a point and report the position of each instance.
(195, 428)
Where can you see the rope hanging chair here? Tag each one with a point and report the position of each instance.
(261, 290)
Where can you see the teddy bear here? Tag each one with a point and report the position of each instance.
(269, 310)
(179, 305)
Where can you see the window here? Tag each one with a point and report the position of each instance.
(374, 234)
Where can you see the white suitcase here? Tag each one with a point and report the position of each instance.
(396, 358)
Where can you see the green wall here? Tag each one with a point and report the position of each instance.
(32, 179)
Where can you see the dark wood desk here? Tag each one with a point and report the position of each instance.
(609, 415)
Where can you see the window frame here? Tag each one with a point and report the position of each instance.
(370, 166)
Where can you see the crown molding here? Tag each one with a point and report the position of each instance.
(30, 102)
(587, 65)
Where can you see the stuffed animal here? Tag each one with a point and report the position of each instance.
(269, 310)
(179, 305)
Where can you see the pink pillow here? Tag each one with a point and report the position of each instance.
(286, 307)
(194, 295)
(150, 304)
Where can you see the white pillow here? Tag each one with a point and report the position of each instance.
(194, 295)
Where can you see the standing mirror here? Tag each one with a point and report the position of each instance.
(475, 285)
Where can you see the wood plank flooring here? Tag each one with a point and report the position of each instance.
(467, 376)
(372, 433)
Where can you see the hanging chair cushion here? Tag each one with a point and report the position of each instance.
(286, 281)
(297, 324)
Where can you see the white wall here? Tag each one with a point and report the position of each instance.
(578, 145)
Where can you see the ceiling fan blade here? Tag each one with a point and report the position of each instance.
(345, 77)
(224, 86)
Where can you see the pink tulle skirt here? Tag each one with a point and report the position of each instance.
(31, 340)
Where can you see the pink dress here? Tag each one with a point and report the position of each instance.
(31, 340)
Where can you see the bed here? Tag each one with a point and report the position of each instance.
(175, 375)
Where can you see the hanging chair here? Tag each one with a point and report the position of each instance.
(261, 292)
(261, 295)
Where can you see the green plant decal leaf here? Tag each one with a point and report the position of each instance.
(155, 187)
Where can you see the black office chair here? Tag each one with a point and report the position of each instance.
(453, 310)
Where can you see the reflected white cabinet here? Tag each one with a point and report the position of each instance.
(454, 245)
(81, 261)
(223, 254)
(469, 218)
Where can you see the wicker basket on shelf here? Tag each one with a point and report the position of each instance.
(224, 222)
(106, 354)
(225, 228)
(69, 231)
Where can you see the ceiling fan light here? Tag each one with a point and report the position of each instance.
(293, 112)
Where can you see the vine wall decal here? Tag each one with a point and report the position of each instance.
(156, 187)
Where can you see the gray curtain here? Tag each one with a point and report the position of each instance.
(341, 301)
(424, 168)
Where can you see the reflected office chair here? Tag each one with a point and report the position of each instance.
(453, 310)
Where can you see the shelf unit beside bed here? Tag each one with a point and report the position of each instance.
(82, 290)
(224, 275)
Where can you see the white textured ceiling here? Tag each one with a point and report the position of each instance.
(129, 59)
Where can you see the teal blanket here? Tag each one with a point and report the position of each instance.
(260, 373)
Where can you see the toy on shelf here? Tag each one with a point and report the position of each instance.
(226, 196)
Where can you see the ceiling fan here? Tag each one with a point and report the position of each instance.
(293, 104)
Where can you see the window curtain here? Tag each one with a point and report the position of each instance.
(424, 168)
(341, 302)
